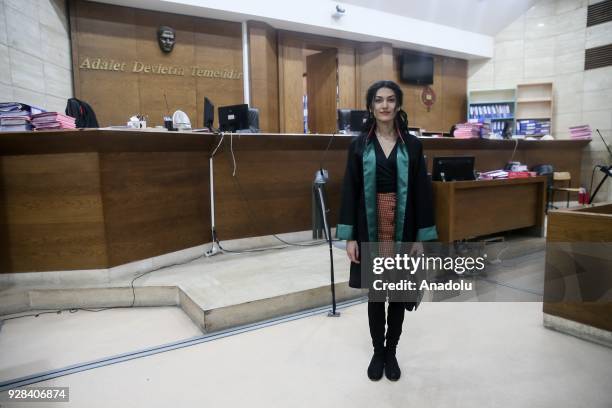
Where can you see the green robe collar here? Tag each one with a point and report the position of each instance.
(369, 188)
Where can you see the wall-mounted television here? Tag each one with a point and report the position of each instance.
(416, 69)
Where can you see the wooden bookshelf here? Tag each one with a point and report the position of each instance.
(534, 103)
(493, 106)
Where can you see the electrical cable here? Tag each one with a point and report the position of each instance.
(251, 216)
(595, 167)
(516, 142)
(233, 156)
(76, 309)
(326, 150)
(218, 144)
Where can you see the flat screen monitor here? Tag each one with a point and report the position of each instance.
(209, 113)
(344, 120)
(233, 118)
(358, 118)
(416, 69)
(453, 168)
(254, 120)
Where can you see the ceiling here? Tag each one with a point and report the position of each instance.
(486, 17)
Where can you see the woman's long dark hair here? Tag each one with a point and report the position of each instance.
(401, 118)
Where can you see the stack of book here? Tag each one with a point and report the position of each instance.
(580, 132)
(52, 120)
(533, 127)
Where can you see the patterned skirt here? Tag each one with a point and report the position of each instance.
(385, 212)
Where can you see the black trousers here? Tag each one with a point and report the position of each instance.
(394, 320)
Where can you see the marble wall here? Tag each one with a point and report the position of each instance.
(35, 61)
(546, 44)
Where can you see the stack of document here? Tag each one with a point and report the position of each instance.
(468, 130)
(52, 120)
(580, 132)
(16, 116)
(13, 123)
(493, 174)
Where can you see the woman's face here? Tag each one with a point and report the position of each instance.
(385, 106)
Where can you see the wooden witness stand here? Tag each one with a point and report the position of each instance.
(578, 269)
(468, 209)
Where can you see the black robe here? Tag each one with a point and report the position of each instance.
(414, 208)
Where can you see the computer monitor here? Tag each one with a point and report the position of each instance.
(358, 118)
(254, 120)
(344, 120)
(209, 113)
(233, 118)
(453, 168)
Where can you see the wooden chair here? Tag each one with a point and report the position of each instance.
(564, 177)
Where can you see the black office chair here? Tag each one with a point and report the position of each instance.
(549, 171)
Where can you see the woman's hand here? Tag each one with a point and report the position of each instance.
(352, 250)
(417, 249)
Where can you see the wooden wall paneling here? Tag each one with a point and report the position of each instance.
(454, 92)
(129, 36)
(450, 86)
(180, 91)
(346, 66)
(409, 106)
(290, 72)
(432, 119)
(375, 63)
(321, 82)
(263, 73)
(346, 78)
(218, 47)
(154, 203)
(103, 31)
(53, 213)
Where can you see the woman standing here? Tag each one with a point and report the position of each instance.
(386, 197)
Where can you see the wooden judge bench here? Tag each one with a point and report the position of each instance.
(98, 198)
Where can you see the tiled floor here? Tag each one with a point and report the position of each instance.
(471, 350)
(452, 355)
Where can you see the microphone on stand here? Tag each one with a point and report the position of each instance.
(321, 178)
(607, 170)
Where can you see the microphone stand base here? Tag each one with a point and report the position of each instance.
(214, 250)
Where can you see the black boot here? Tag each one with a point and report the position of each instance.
(392, 370)
(395, 319)
(376, 316)
(377, 365)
